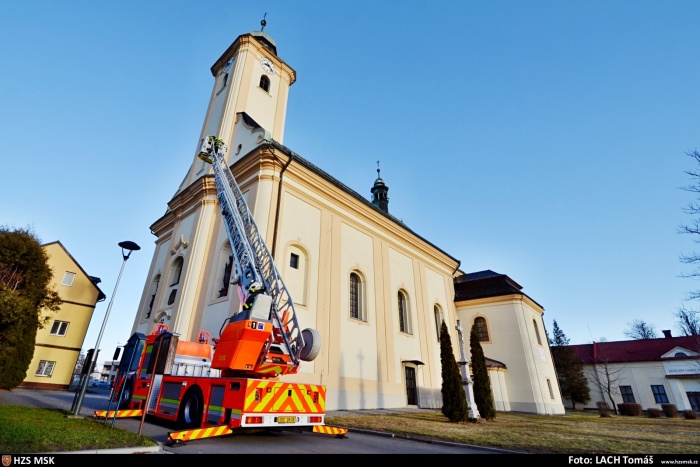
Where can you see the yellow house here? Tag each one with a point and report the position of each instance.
(58, 344)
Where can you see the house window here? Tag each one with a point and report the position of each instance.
(437, 311)
(357, 310)
(265, 83)
(627, 395)
(294, 261)
(551, 391)
(659, 394)
(68, 278)
(59, 328)
(482, 331)
(45, 368)
(404, 313)
(537, 332)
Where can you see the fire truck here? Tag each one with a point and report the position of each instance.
(231, 383)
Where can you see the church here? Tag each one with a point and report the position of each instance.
(374, 290)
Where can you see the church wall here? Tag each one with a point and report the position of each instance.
(512, 342)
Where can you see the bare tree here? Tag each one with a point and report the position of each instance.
(639, 329)
(605, 375)
(688, 321)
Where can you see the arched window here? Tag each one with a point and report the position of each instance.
(223, 273)
(482, 331)
(357, 297)
(439, 318)
(404, 313)
(265, 83)
(537, 332)
(153, 291)
(175, 272)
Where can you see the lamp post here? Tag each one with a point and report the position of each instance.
(127, 247)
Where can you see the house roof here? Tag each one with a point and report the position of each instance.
(640, 350)
(483, 284)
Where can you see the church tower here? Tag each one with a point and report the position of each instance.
(251, 80)
(247, 108)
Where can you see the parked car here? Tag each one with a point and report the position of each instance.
(100, 384)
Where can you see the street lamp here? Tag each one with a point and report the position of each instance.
(127, 247)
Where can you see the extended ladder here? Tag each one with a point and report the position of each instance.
(252, 258)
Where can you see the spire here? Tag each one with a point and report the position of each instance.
(380, 192)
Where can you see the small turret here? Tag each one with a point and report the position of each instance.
(380, 192)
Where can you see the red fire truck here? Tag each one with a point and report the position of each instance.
(217, 386)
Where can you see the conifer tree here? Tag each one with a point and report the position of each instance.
(572, 379)
(454, 399)
(482, 385)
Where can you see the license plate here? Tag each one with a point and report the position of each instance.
(286, 419)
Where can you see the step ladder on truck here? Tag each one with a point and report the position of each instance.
(220, 386)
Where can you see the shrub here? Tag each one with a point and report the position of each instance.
(670, 410)
(630, 409)
(691, 415)
(603, 408)
(654, 413)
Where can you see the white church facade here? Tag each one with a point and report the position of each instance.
(375, 290)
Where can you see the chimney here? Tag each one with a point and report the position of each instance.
(667, 333)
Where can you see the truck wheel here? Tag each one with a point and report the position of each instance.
(191, 409)
(312, 344)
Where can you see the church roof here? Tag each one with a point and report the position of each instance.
(639, 350)
(326, 176)
(484, 284)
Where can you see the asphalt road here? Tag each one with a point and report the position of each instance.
(355, 442)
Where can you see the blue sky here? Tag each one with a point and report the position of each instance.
(544, 140)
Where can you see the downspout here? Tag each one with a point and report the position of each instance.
(279, 199)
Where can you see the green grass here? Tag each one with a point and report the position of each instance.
(573, 433)
(31, 430)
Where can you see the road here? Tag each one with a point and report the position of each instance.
(355, 442)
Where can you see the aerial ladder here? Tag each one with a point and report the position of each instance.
(212, 388)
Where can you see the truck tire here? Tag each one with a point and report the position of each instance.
(312, 344)
(191, 409)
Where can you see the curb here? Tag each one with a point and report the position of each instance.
(134, 450)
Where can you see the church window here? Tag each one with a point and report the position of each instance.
(439, 318)
(482, 330)
(265, 83)
(175, 272)
(153, 291)
(404, 313)
(357, 309)
(551, 391)
(294, 261)
(537, 332)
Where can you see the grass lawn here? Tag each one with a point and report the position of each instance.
(574, 433)
(31, 430)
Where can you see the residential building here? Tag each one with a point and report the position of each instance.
(58, 344)
(374, 289)
(649, 372)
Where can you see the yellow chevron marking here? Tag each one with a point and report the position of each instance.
(330, 430)
(119, 413)
(200, 433)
